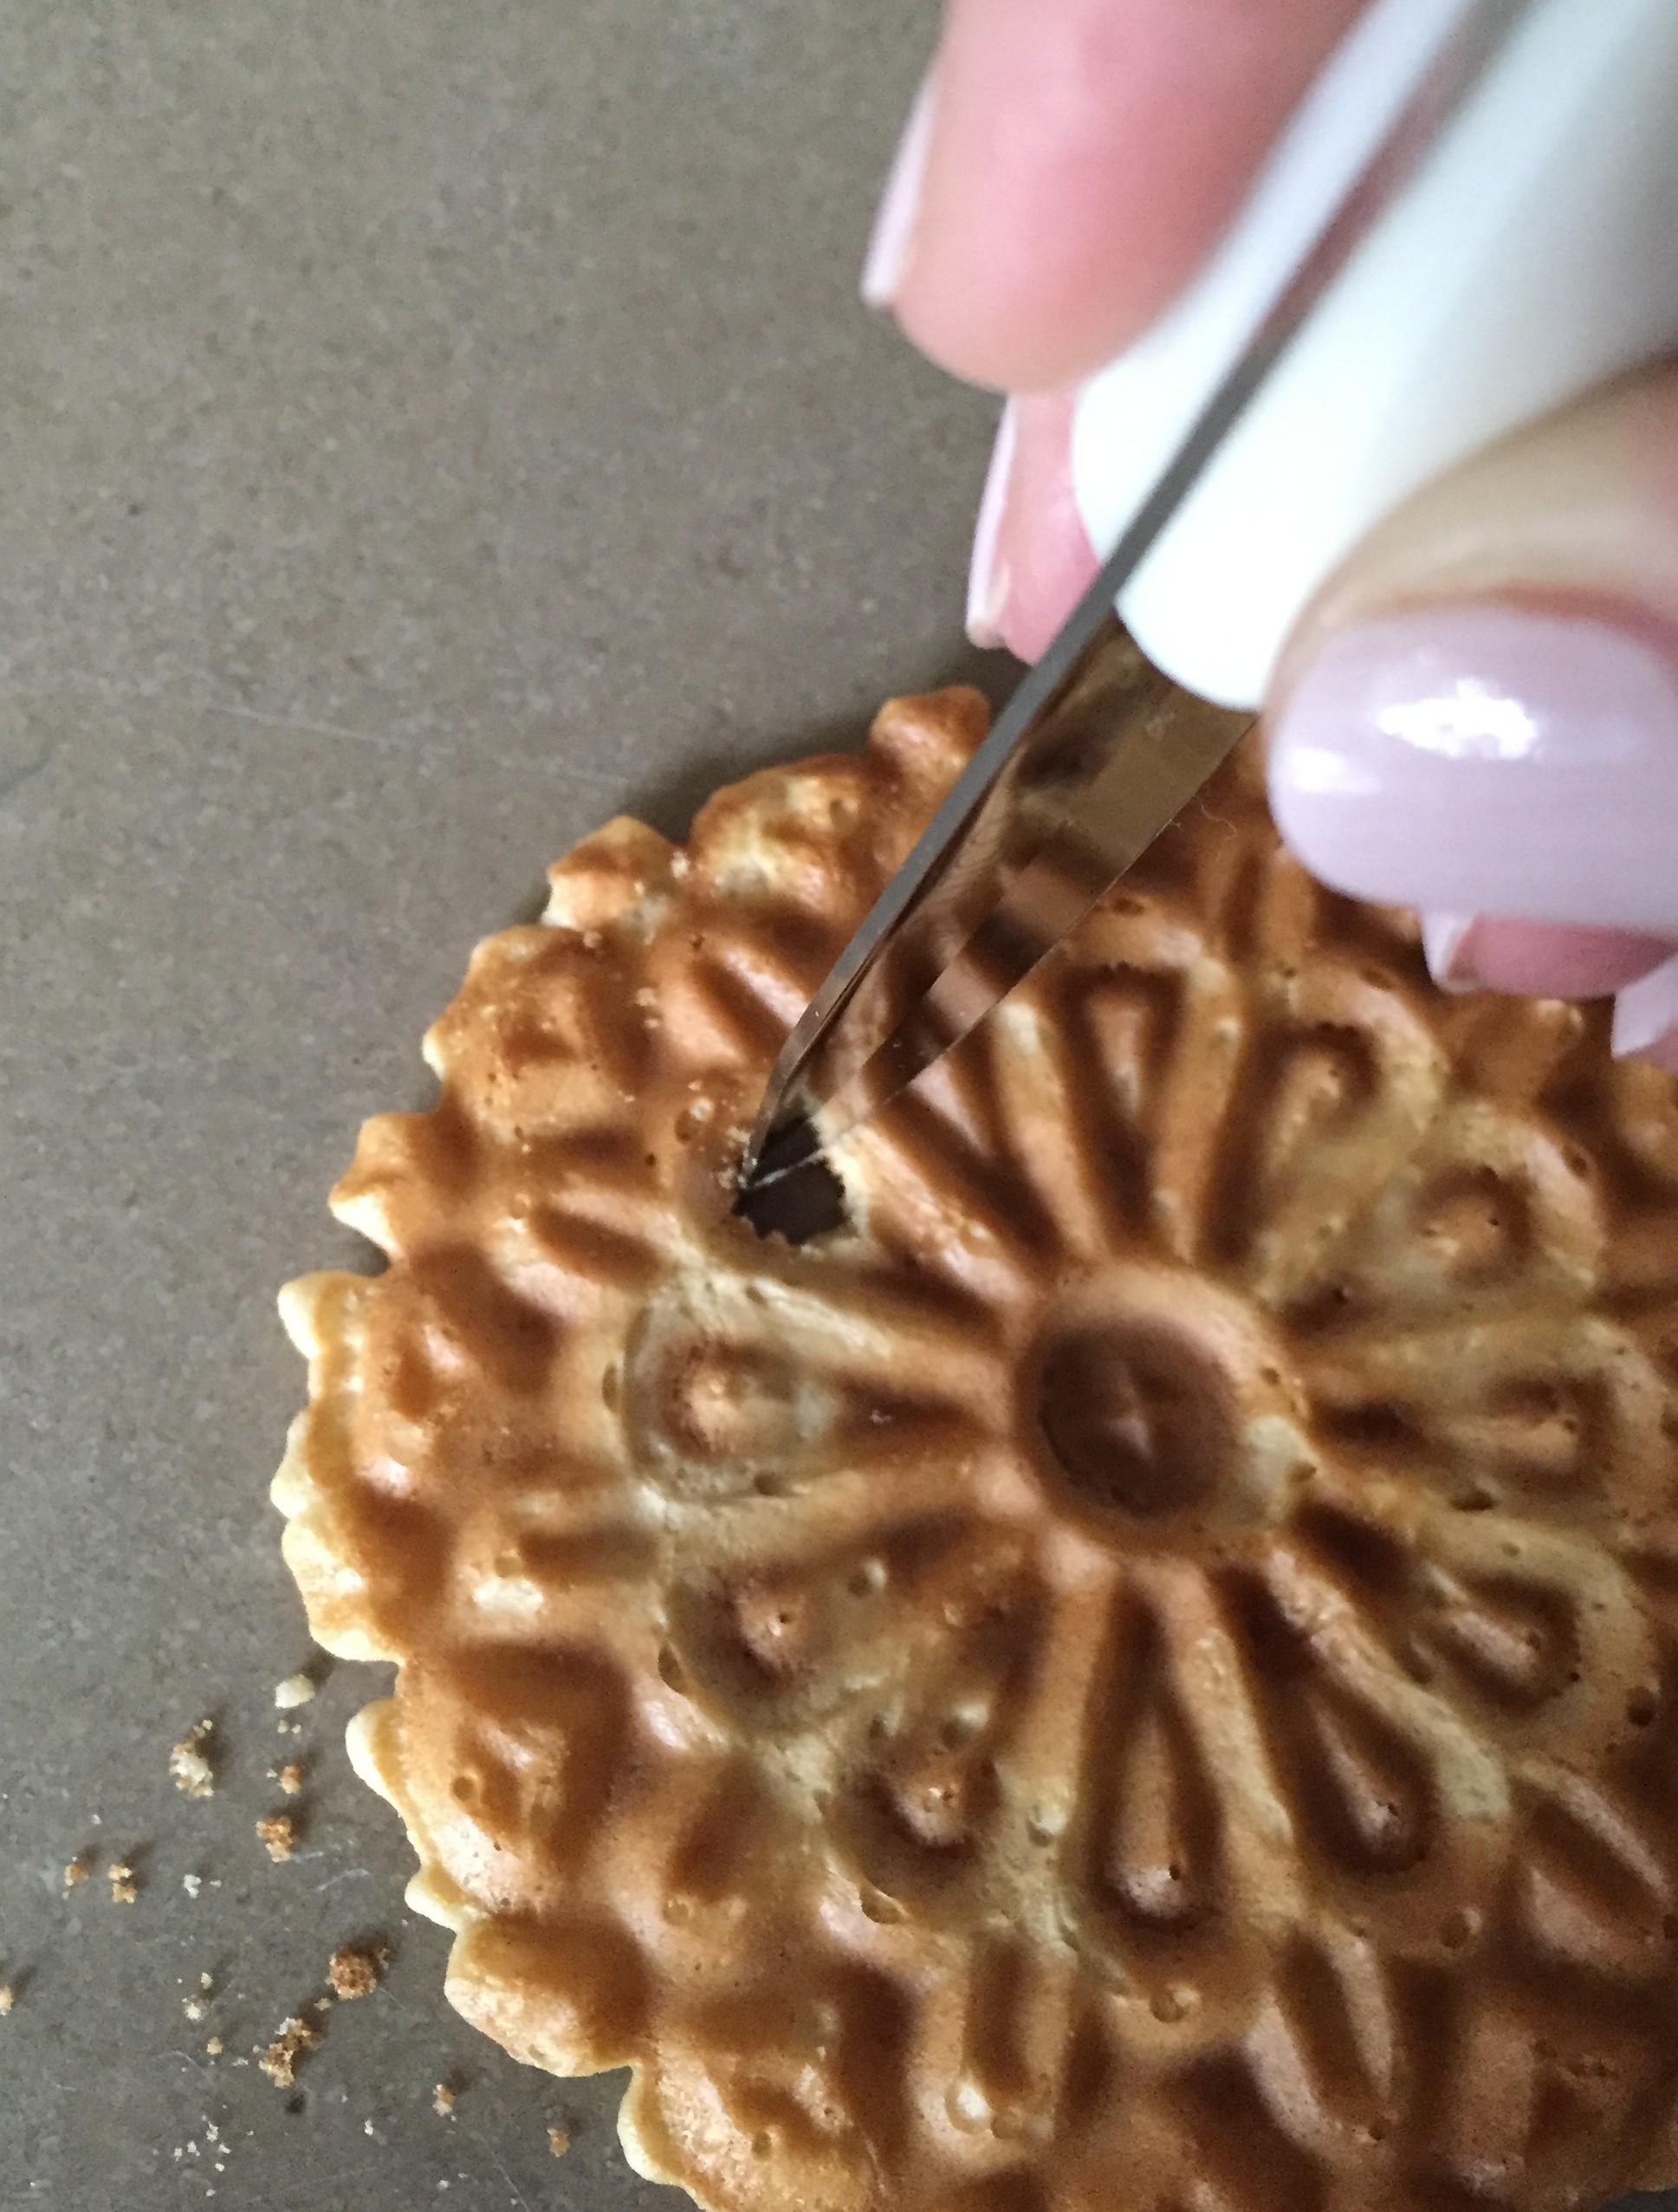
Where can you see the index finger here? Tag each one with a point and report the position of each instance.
(1081, 159)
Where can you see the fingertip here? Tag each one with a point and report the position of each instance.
(1082, 158)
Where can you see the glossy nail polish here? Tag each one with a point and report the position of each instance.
(1488, 759)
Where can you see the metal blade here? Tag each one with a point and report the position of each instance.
(1109, 758)
(1094, 755)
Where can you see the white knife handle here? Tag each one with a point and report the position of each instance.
(1534, 256)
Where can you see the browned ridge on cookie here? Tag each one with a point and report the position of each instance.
(1138, 1674)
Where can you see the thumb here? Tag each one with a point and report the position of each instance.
(1479, 715)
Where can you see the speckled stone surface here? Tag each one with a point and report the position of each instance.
(423, 432)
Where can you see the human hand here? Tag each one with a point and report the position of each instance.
(1478, 715)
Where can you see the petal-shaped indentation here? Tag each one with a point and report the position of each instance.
(1520, 1643)
(1046, 1094)
(1007, 2047)
(1152, 1823)
(923, 1785)
(1251, 2164)
(476, 1323)
(510, 1756)
(1595, 1893)
(1368, 1791)
(1369, 1758)
(1161, 1862)
(537, 1562)
(1486, 2068)
(1324, 2047)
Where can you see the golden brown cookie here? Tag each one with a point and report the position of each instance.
(1139, 1673)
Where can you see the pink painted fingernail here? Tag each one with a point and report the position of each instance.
(1446, 947)
(987, 578)
(1646, 1018)
(1487, 759)
(893, 234)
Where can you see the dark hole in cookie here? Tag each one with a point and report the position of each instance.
(806, 1202)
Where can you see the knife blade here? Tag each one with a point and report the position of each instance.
(1096, 752)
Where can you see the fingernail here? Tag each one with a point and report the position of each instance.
(986, 576)
(1646, 1018)
(1487, 759)
(893, 233)
(1445, 947)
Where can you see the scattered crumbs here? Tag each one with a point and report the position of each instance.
(443, 2101)
(215, 2046)
(78, 1870)
(354, 1969)
(204, 1982)
(295, 1689)
(290, 1778)
(123, 1888)
(558, 2141)
(279, 1835)
(8, 1998)
(195, 2008)
(279, 2061)
(191, 1883)
(189, 1769)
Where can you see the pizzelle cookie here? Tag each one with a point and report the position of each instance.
(1139, 1671)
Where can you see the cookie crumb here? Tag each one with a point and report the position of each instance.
(215, 2046)
(8, 1998)
(194, 2008)
(295, 1689)
(191, 1883)
(189, 1769)
(354, 1971)
(279, 1835)
(443, 2101)
(290, 1778)
(279, 2061)
(558, 2141)
(124, 1889)
(78, 1870)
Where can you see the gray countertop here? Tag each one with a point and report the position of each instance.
(426, 431)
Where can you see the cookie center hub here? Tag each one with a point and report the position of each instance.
(1145, 1397)
(1137, 1417)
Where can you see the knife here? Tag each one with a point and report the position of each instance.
(1497, 178)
